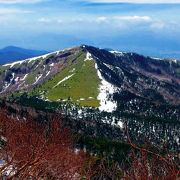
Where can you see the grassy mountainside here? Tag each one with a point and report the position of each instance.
(72, 75)
(81, 87)
(41, 75)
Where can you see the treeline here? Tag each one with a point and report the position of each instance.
(144, 118)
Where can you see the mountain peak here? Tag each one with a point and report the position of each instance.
(11, 48)
(90, 76)
(13, 53)
(17, 49)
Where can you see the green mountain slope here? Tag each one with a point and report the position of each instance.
(93, 77)
(77, 83)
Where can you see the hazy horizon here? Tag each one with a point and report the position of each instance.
(142, 26)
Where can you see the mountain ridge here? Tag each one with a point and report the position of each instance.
(57, 76)
(102, 92)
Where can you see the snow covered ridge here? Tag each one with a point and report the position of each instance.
(118, 53)
(106, 90)
(34, 58)
(14, 63)
(27, 60)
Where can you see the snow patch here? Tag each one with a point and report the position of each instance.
(156, 58)
(36, 67)
(119, 123)
(47, 73)
(109, 66)
(24, 77)
(21, 85)
(106, 89)
(73, 70)
(117, 52)
(57, 52)
(80, 113)
(8, 84)
(63, 80)
(16, 79)
(51, 65)
(177, 140)
(174, 60)
(114, 122)
(37, 78)
(88, 57)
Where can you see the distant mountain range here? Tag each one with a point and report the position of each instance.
(12, 53)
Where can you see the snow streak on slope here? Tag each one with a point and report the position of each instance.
(38, 78)
(47, 73)
(22, 79)
(106, 90)
(63, 80)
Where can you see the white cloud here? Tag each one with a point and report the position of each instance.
(101, 19)
(117, 20)
(44, 20)
(157, 25)
(12, 11)
(114, 19)
(133, 18)
(59, 21)
(19, 1)
(48, 20)
(134, 1)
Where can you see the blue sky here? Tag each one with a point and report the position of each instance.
(143, 26)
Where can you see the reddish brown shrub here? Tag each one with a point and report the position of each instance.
(36, 150)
